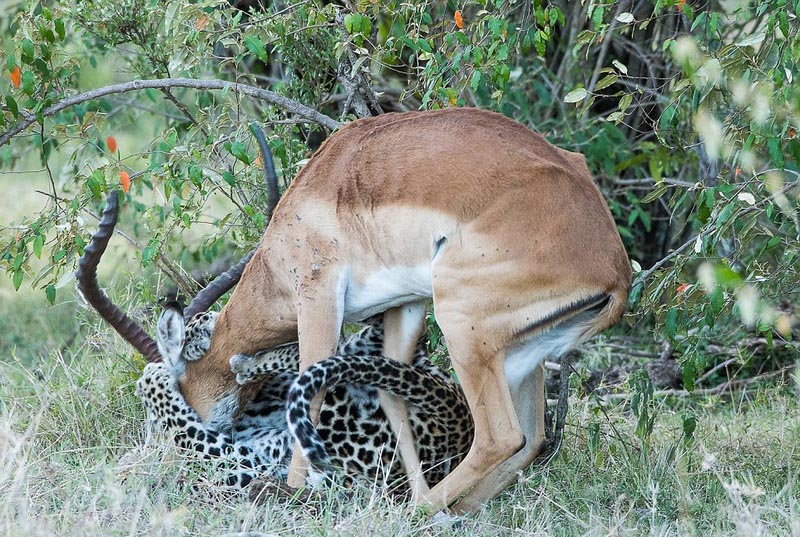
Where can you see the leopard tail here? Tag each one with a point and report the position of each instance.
(432, 395)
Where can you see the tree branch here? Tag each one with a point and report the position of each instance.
(289, 105)
(360, 96)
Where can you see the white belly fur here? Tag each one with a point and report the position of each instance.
(522, 359)
(384, 289)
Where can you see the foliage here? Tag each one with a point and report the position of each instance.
(687, 114)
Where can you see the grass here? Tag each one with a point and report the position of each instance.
(74, 460)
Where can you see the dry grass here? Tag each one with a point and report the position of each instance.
(74, 461)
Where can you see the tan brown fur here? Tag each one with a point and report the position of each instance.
(526, 235)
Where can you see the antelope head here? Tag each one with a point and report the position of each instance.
(183, 336)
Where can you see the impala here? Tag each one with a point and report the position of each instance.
(506, 233)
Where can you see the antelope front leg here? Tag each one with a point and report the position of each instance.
(319, 325)
(403, 327)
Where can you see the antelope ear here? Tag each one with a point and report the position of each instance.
(171, 337)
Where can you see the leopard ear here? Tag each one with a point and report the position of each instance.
(171, 337)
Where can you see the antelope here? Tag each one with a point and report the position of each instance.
(507, 234)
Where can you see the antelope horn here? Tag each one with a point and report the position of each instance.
(86, 275)
(270, 177)
(225, 281)
(218, 287)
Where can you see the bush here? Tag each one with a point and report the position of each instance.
(688, 116)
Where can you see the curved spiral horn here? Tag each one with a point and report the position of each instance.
(86, 275)
(225, 281)
(270, 177)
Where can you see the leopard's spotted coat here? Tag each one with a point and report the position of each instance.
(353, 433)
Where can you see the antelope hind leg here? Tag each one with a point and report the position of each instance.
(498, 435)
(529, 404)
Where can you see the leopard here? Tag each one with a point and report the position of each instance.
(352, 439)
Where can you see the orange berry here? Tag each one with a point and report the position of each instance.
(459, 19)
(682, 287)
(111, 142)
(125, 181)
(680, 5)
(16, 77)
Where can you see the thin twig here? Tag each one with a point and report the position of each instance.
(182, 107)
(49, 171)
(271, 97)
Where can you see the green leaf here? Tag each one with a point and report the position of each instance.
(794, 149)
(605, 82)
(717, 300)
(475, 81)
(635, 294)
(773, 242)
(752, 39)
(80, 243)
(38, 243)
(666, 118)
(237, 149)
(256, 46)
(196, 175)
(41, 66)
(229, 178)
(725, 213)
(47, 33)
(625, 101)
(96, 182)
(28, 50)
(576, 95)
(12, 106)
(657, 192)
(775, 153)
(671, 323)
(726, 276)
(689, 426)
(259, 219)
(27, 82)
(148, 254)
(17, 279)
(60, 30)
(11, 62)
(703, 213)
(50, 293)
(689, 374)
